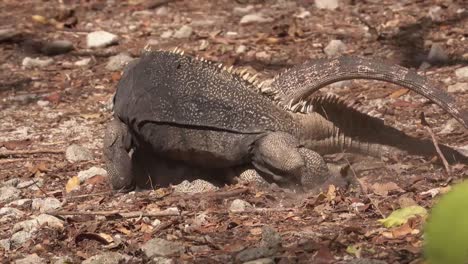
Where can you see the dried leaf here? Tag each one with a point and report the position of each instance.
(399, 93)
(72, 184)
(383, 189)
(16, 144)
(39, 19)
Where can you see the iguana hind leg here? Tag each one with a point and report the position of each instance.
(117, 156)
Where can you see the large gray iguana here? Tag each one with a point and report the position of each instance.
(171, 108)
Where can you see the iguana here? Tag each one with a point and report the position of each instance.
(176, 108)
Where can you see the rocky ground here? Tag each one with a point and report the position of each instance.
(62, 59)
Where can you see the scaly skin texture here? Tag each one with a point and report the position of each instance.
(301, 81)
(174, 108)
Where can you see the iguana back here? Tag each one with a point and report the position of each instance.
(169, 88)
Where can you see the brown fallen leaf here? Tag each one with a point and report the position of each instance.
(399, 93)
(15, 144)
(402, 231)
(383, 189)
(40, 167)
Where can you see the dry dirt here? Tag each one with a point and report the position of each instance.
(46, 109)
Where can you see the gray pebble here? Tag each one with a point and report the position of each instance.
(184, 32)
(101, 39)
(118, 62)
(76, 153)
(334, 48)
(162, 248)
(8, 194)
(30, 63)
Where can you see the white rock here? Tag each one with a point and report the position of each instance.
(255, 18)
(8, 194)
(156, 222)
(21, 203)
(91, 172)
(82, 62)
(243, 10)
(118, 62)
(239, 205)
(9, 214)
(40, 220)
(32, 184)
(241, 49)
(163, 248)
(5, 244)
(462, 73)
(108, 258)
(263, 56)
(184, 32)
(302, 14)
(101, 39)
(162, 11)
(458, 87)
(78, 153)
(46, 204)
(11, 182)
(327, 4)
(437, 54)
(29, 63)
(43, 103)
(20, 237)
(334, 48)
(30, 259)
(195, 186)
(167, 34)
(435, 13)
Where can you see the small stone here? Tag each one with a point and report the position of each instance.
(334, 48)
(61, 260)
(33, 184)
(231, 34)
(162, 260)
(21, 203)
(8, 194)
(260, 261)
(30, 63)
(162, 248)
(5, 244)
(76, 153)
(204, 44)
(82, 62)
(172, 210)
(458, 87)
(195, 186)
(200, 219)
(162, 11)
(156, 222)
(11, 182)
(43, 103)
(167, 34)
(437, 54)
(20, 238)
(255, 18)
(46, 204)
(108, 258)
(241, 49)
(34, 224)
(263, 56)
(239, 205)
(118, 62)
(449, 126)
(327, 4)
(30, 259)
(91, 172)
(435, 13)
(462, 73)
(302, 14)
(270, 238)
(101, 39)
(57, 47)
(9, 214)
(243, 10)
(184, 32)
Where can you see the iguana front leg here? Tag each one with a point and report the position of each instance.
(280, 156)
(117, 156)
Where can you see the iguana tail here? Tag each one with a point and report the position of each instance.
(335, 126)
(301, 81)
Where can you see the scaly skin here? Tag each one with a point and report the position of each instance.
(177, 108)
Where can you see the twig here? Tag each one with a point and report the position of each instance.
(116, 213)
(9, 153)
(6, 161)
(87, 195)
(362, 189)
(436, 144)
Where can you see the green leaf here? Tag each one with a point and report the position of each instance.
(401, 216)
(446, 231)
